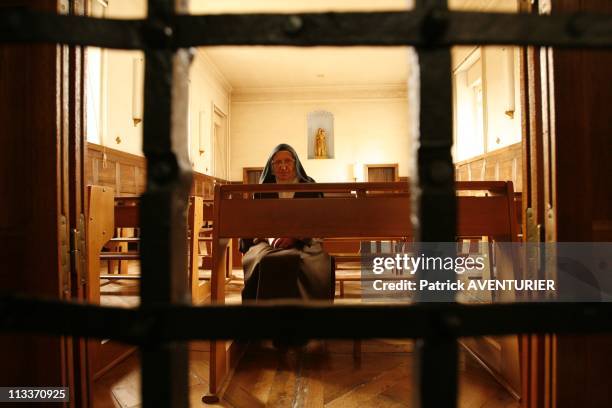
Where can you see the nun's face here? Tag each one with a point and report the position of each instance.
(283, 167)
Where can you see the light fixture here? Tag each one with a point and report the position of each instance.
(509, 67)
(357, 172)
(137, 90)
(202, 132)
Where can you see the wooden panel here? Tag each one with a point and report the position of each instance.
(126, 173)
(382, 172)
(107, 174)
(478, 216)
(89, 173)
(582, 164)
(500, 165)
(30, 98)
(308, 217)
(365, 217)
(490, 173)
(100, 226)
(127, 177)
(461, 173)
(127, 217)
(250, 175)
(199, 289)
(342, 246)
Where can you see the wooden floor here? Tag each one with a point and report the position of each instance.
(311, 377)
(322, 374)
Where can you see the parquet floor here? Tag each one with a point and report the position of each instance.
(312, 377)
(323, 374)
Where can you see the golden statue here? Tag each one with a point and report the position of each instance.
(321, 144)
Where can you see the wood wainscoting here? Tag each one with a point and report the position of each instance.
(126, 173)
(504, 164)
(498, 354)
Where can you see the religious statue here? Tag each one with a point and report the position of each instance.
(321, 144)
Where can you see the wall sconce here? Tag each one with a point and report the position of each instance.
(202, 132)
(137, 89)
(509, 67)
(357, 172)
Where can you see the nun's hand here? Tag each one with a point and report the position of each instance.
(284, 243)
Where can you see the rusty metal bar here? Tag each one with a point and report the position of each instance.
(162, 322)
(172, 322)
(308, 29)
(436, 354)
(163, 205)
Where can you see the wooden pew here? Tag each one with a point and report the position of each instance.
(346, 255)
(354, 210)
(105, 214)
(102, 355)
(496, 220)
(127, 215)
(490, 225)
(200, 239)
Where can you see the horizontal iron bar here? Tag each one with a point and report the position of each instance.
(19, 25)
(174, 322)
(424, 28)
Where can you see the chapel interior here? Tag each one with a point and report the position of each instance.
(532, 119)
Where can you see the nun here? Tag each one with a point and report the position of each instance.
(286, 267)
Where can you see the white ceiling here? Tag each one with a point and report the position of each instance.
(286, 67)
(293, 6)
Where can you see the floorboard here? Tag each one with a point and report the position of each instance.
(322, 374)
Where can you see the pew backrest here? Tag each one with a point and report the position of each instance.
(127, 212)
(372, 210)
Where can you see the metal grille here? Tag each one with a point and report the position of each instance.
(162, 323)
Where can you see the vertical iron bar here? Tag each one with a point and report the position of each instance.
(164, 206)
(436, 357)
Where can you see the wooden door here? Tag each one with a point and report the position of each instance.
(535, 349)
(580, 204)
(567, 198)
(41, 209)
(382, 172)
(250, 175)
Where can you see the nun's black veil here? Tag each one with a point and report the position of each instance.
(267, 176)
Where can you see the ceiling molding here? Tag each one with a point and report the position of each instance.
(214, 71)
(318, 93)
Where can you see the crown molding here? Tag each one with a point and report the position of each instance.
(318, 93)
(214, 71)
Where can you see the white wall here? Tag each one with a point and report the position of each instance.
(366, 130)
(122, 133)
(208, 88)
(500, 129)
(117, 129)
